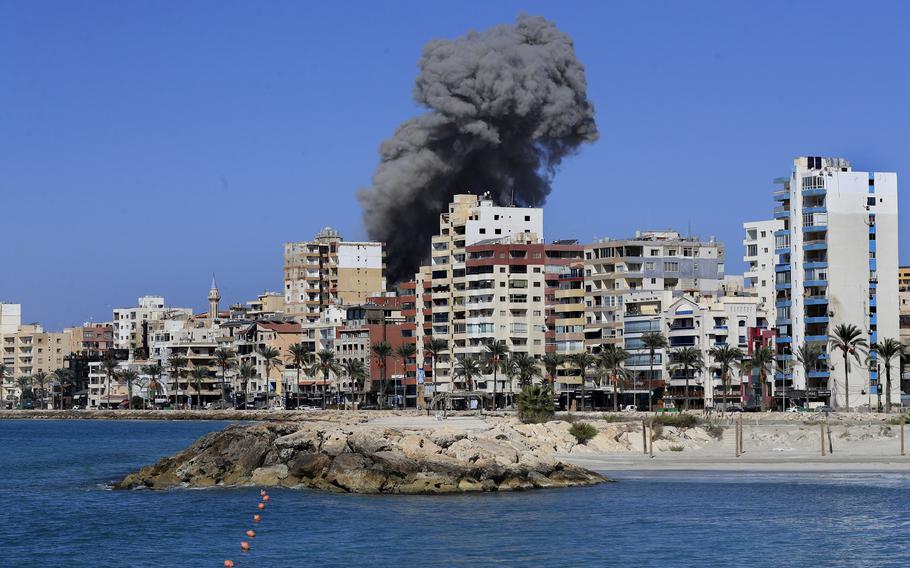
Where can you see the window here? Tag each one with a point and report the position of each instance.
(655, 252)
(671, 252)
(687, 251)
(498, 231)
(671, 266)
(483, 231)
(527, 217)
(752, 250)
(649, 265)
(870, 201)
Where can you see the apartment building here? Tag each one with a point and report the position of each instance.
(836, 264)
(758, 254)
(564, 307)
(131, 325)
(652, 261)
(33, 350)
(496, 295)
(330, 271)
(251, 339)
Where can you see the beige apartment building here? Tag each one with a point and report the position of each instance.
(652, 261)
(330, 271)
(33, 350)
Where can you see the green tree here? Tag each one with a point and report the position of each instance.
(129, 376)
(612, 360)
(326, 363)
(535, 404)
(687, 358)
(110, 369)
(25, 393)
(583, 361)
(652, 341)
(270, 358)
(888, 350)
(551, 362)
(434, 348)
(847, 339)
(496, 352)
(301, 357)
(382, 351)
(405, 352)
(40, 379)
(809, 356)
(725, 358)
(527, 369)
(154, 372)
(199, 373)
(65, 378)
(763, 360)
(468, 369)
(246, 372)
(4, 371)
(357, 373)
(225, 359)
(176, 363)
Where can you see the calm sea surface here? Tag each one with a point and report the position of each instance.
(58, 512)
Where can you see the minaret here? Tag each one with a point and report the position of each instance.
(214, 298)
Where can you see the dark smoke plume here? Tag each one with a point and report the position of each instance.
(505, 107)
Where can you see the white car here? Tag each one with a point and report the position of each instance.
(630, 408)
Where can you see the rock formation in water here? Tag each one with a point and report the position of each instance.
(363, 458)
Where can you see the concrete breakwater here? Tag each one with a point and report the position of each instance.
(365, 458)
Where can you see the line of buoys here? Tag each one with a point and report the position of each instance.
(244, 545)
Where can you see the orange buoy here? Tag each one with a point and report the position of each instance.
(257, 518)
(228, 564)
(265, 498)
(261, 506)
(244, 546)
(251, 534)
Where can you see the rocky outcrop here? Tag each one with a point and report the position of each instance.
(360, 458)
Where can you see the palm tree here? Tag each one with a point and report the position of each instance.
(496, 352)
(176, 362)
(300, 356)
(40, 379)
(551, 362)
(725, 356)
(434, 348)
(129, 376)
(468, 368)
(356, 372)
(4, 369)
(199, 373)
(652, 340)
(110, 368)
(383, 351)
(225, 359)
(24, 383)
(583, 361)
(685, 359)
(326, 363)
(154, 372)
(246, 371)
(808, 356)
(64, 377)
(612, 359)
(406, 352)
(847, 339)
(763, 359)
(269, 356)
(527, 369)
(887, 350)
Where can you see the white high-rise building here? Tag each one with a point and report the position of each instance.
(759, 257)
(837, 264)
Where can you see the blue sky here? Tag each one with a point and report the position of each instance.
(145, 145)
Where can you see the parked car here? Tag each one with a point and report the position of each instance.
(734, 408)
(824, 408)
(630, 408)
(795, 409)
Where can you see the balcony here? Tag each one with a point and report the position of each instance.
(781, 195)
(815, 244)
(816, 283)
(782, 286)
(781, 212)
(815, 264)
(812, 192)
(816, 339)
(818, 374)
(816, 319)
(819, 300)
(783, 304)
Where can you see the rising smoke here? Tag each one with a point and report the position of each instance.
(505, 107)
